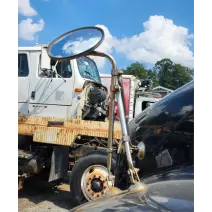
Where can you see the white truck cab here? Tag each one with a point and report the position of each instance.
(50, 88)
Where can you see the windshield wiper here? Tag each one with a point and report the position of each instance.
(88, 73)
(92, 78)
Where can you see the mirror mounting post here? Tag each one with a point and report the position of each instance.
(117, 89)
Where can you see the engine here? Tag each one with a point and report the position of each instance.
(96, 103)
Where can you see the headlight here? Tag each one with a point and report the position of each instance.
(141, 150)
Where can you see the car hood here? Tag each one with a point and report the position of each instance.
(136, 202)
(123, 202)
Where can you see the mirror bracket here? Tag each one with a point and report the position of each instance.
(116, 81)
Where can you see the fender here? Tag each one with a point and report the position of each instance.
(59, 163)
(101, 152)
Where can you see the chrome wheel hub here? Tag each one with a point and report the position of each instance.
(94, 183)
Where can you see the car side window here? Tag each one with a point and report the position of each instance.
(63, 69)
(23, 68)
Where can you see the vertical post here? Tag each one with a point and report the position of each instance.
(16, 104)
(17, 182)
(111, 119)
(125, 132)
(117, 86)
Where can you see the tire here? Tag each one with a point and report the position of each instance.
(97, 160)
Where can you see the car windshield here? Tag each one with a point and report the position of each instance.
(88, 69)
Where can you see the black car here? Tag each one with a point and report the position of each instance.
(167, 130)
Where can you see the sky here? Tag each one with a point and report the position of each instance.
(144, 31)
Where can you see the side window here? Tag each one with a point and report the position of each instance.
(23, 68)
(64, 69)
(145, 104)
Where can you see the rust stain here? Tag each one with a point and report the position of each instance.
(66, 134)
(20, 182)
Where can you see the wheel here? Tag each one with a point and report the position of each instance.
(88, 179)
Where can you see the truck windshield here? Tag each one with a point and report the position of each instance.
(88, 68)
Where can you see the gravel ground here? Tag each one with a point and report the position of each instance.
(49, 199)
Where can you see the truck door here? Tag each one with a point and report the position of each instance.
(51, 94)
(23, 82)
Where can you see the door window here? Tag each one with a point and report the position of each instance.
(63, 69)
(23, 69)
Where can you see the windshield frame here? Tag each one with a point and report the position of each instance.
(96, 78)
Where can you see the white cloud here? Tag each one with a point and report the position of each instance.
(25, 9)
(105, 47)
(80, 45)
(160, 39)
(28, 29)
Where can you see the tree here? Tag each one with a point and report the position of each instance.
(153, 76)
(164, 69)
(137, 70)
(171, 75)
(165, 73)
(181, 76)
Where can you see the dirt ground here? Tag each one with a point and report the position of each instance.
(48, 199)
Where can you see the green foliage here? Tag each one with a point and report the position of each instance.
(153, 76)
(171, 75)
(137, 70)
(181, 76)
(164, 73)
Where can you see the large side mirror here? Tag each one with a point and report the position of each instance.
(75, 43)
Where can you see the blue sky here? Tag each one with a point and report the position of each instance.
(168, 33)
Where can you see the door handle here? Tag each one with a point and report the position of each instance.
(33, 95)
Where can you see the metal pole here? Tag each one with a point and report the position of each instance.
(124, 129)
(125, 139)
(114, 73)
(111, 120)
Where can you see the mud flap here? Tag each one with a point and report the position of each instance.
(59, 163)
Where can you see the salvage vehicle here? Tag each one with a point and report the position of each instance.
(166, 130)
(65, 113)
(138, 94)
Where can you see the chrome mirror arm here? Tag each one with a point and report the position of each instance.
(115, 89)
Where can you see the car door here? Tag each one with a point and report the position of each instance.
(51, 94)
(23, 82)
